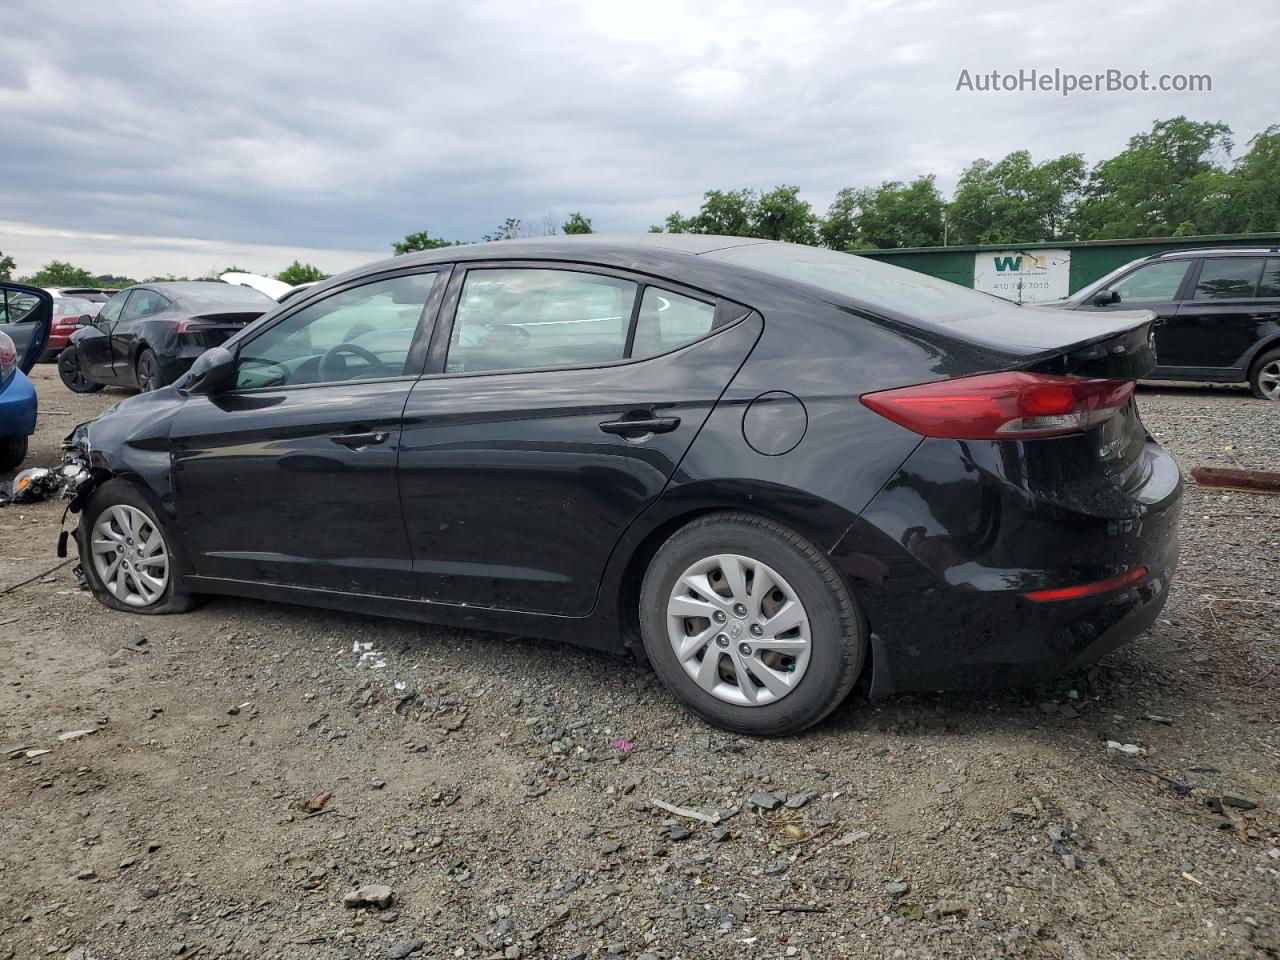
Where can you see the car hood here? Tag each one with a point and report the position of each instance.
(272, 288)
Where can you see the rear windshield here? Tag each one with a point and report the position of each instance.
(219, 294)
(894, 290)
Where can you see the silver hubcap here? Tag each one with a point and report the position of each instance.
(739, 630)
(130, 556)
(1269, 380)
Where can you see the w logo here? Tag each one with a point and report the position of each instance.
(1005, 264)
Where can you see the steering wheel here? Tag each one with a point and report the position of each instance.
(333, 367)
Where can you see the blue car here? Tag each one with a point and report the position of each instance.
(25, 316)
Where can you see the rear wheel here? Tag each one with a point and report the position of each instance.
(128, 555)
(13, 450)
(1264, 381)
(72, 375)
(750, 625)
(148, 370)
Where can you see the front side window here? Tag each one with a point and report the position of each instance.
(111, 309)
(364, 333)
(1156, 282)
(1229, 278)
(518, 318)
(144, 303)
(666, 320)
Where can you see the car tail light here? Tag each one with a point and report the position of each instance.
(1002, 406)
(8, 358)
(1087, 589)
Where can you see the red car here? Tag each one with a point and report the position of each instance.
(68, 313)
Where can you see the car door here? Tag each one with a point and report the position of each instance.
(26, 315)
(124, 332)
(558, 401)
(94, 343)
(288, 477)
(1153, 286)
(1217, 322)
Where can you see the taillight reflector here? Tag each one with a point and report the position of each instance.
(1002, 406)
(1087, 589)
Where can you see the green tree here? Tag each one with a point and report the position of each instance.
(509, 230)
(59, 273)
(893, 214)
(1252, 202)
(1163, 183)
(780, 214)
(297, 272)
(6, 265)
(1016, 200)
(577, 223)
(422, 240)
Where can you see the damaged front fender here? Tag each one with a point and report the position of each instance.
(131, 440)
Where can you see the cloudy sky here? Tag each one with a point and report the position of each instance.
(158, 137)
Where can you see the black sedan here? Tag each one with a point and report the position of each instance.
(769, 469)
(149, 335)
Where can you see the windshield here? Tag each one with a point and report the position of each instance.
(1084, 293)
(72, 307)
(877, 285)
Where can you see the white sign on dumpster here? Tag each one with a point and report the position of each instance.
(1023, 276)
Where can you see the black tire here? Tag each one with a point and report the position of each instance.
(72, 374)
(1262, 376)
(13, 450)
(174, 598)
(837, 628)
(147, 370)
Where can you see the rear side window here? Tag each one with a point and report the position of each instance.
(667, 320)
(1270, 285)
(510, 319)
(1228, 278)
(1158, 281)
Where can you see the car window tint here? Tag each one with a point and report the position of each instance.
(1159, 281)
(1228, 278)
(363, 333)
(111, 309)
(667, 320)
(1270, 284)
(143, 303)
(518, 318)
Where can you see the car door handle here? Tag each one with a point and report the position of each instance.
(356, 441)
(633, 427)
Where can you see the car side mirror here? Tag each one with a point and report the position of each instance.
(85, 320)
(213, 371)
(1106, 298)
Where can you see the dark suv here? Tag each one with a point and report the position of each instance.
(1218, 313)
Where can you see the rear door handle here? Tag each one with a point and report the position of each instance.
(635, 427)
(356, 441)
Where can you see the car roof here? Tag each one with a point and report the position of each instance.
(675, 245)
(1217, 252)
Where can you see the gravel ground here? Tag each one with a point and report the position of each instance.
(251, 764)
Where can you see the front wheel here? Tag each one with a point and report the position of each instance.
(128, 555)
(72, 374)
(750, 625)
(13, 450)
(1264, 381)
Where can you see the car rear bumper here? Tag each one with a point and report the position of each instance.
(944, 556)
